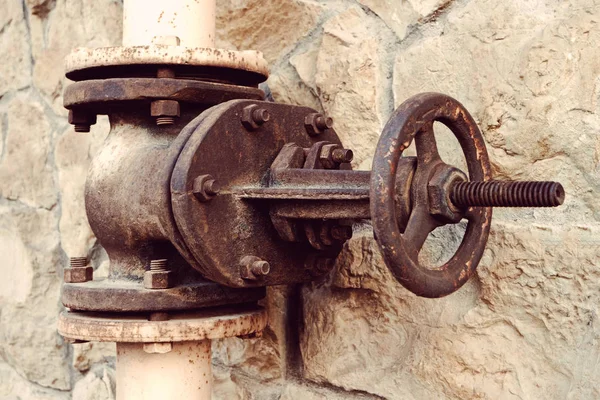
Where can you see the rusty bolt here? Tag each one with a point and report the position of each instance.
(253, 117)
(253, 268)
(158, 277)
(205, 187)
(81, 120)
(438, 190)
(165, 111)
(79, 271)
(341, 232)
(332, 155)
(317, 123)
(342, 155)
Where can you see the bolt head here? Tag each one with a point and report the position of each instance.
(158, 279)
(78, 274)
(438, 190)
(326, 156)
(165, 108)
(316, 123)
(81, 120)
(205, 187)
(253, 117)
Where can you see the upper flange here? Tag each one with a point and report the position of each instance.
(84, 63)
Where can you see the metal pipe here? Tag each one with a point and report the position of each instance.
(159, 371)
(192, 21)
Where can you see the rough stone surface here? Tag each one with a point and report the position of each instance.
(526, 326)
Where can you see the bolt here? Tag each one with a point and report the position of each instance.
(159, 276)
(79, 271)
(253, 268)
(165, 111)
(317, 123)
(205, 187)
(332, 155)
(81, 120)
(507, 194)
(78, 262)
(342, 155)
(253, 117)
(158, 265)
(341, 232)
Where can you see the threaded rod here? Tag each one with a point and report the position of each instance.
(507, 194)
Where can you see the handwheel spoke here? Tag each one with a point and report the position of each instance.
(426, 145)
(420, 225)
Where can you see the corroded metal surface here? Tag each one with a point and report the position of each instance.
(180, 327)
(233, 225)
(131, 296)
(508, 194)
(413, 120)
(102, 95)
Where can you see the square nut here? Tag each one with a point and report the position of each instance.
(78, 275)
(158, 279)
(165, 108)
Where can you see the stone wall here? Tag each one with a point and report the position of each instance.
(525, 327)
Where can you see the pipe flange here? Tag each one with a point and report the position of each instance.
(85, 63)
(183, 327)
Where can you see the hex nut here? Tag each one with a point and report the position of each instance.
(326, 156)
(317, 123)
(205, 187)
(438, 190)
(165, 108)
(253, 117)
(81, 120)
(78, 274)
(158, 279)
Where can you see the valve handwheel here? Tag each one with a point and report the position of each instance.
(414, 120)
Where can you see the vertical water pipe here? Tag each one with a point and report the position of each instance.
(192, 21)
(179, 370)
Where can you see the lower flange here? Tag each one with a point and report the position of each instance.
(180, 327)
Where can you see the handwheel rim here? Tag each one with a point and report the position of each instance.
(397, 135)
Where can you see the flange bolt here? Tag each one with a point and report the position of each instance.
(317, 123)
(253, 117)
(159, 276)
(78, 271)
(342, 155)
(206, 187)
(253, 268)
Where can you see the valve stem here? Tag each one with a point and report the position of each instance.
(507, 194)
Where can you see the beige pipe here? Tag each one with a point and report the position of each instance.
(192, 21)
(158, 371)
